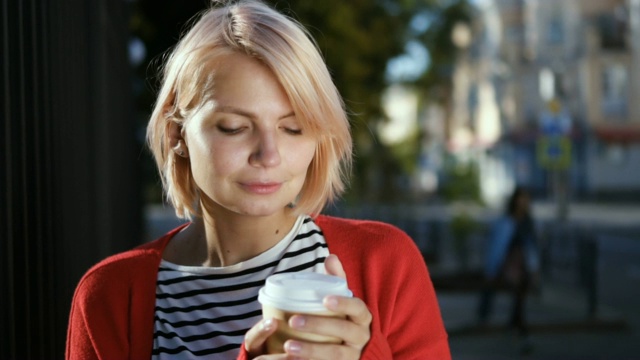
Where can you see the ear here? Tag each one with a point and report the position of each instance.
(175, 133)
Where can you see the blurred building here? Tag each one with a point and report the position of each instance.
(548, 87)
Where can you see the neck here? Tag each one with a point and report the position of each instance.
(223, 241)
(238, 238)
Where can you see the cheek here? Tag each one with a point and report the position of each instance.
(304, 155)
(222, 161)
(202, 151)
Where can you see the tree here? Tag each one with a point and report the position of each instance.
(436, 81)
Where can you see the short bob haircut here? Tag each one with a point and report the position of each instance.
(283, 45)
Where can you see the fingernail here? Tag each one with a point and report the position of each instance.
(267, 324)
(331, 302)
(293, 347)
(297, 322)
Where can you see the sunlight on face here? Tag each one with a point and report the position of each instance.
(249, 153)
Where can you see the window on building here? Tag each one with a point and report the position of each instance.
(615, 91)
(546, 84)
(555, 31)
(613, 28)
(614, 154)
(550, 84)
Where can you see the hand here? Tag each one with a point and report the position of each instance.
(256, 337)
(354, 329)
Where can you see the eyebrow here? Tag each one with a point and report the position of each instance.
(247, 114)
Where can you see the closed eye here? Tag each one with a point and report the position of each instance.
(293, 131)
(230, 131)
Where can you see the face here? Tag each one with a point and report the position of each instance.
(249, 154)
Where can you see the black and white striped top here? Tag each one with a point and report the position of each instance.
(204, 312)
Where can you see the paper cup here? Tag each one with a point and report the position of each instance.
(285, 295)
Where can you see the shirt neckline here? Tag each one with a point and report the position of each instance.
(260, 259)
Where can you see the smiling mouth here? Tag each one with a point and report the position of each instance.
(261, 188)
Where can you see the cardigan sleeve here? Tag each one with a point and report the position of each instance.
(79, 342)
(95, 330)
(243, 355)
(416, 329)
(112, 309)
(385, 268)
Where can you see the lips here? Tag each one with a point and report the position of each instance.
(261, 188)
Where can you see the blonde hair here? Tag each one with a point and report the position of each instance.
(284, 46)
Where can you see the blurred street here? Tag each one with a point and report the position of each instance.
(562, 324)
(565, 323)
(558, 325)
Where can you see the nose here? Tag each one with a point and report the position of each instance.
(266, 153)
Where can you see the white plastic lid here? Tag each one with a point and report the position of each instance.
(301, 292)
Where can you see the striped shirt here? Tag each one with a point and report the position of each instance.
(204, 312)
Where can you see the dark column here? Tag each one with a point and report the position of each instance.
(68, 161)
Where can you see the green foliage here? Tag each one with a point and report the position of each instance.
(463, 225)
(437, 39)
(357, 38)
(461, 182)
(407, 152)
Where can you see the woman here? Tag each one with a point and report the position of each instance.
(512, 259)
(251, 139)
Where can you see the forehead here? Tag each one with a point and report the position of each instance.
(241, 71)
(242, 82)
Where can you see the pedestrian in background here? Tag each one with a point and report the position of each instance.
(251, 139)
(512, 261)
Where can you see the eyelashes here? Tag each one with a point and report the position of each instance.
(293, 131)
(238, 130)
(229, 131)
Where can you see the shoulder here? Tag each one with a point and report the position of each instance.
(365, 237)
(122, 271)
(360, 230)
(127, 261)
(353, 226)
(118, 271)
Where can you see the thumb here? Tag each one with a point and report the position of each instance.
(333, 266)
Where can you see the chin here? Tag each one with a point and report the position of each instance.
(262, 211)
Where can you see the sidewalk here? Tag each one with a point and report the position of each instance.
(559, 326)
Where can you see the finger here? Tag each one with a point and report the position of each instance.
(355, 309)
(352, 334)
(333, 266)
(353, 330)
(272, 357)
(254, 340)
(317, 351)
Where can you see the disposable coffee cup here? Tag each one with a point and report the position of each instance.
(288, 294)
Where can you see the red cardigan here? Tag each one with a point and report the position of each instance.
(113, 306)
